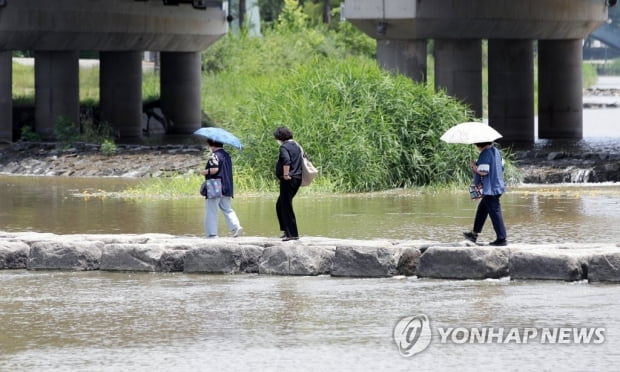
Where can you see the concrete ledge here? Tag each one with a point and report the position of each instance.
(498, 19)
(604, 267)
(223, 258)
(65, 255)
(464, 262)
(132, 257)
(308, 256)
(296, 260)
(14, 255)
(366, 261)
(120, 26)
(549, 264)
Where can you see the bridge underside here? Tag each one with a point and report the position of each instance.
(120, 30)
(402, 29)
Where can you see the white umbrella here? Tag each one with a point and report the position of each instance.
(471, 132)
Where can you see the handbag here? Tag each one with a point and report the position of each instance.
(475, 191)
(211, 188)
(308, 170)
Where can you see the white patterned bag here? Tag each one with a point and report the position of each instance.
(308, 170)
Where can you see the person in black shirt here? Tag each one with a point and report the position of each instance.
(288, 171)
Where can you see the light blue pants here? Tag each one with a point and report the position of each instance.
(211, 207)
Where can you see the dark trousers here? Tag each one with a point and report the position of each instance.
(489, 206)
(284, 206)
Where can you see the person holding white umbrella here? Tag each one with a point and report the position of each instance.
(488, 173)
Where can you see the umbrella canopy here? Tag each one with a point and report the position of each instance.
(472, 132)
(219, 135)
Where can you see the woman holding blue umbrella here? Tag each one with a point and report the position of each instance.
(219, 166)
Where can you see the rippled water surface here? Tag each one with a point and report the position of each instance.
(101, 321)
(59, 321)
(98, 321)
(533, 214)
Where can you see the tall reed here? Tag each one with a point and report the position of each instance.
(363, 127)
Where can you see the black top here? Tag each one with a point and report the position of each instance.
(290, 154)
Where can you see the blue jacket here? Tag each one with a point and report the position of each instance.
(223, 162)
(490, 161)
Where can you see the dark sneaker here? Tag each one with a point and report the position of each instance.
(499, 243)
(287, 238)
(471, 236)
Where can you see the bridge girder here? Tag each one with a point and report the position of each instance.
(480, 19)
(115, 25)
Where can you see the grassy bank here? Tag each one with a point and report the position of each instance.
(23, 85)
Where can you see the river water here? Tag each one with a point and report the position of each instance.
(97, 321)
(533, 214)
(101, 321)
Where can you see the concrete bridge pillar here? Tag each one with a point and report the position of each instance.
(511, 89)
(560, 89)
(458, 70)
(57, 90)
(180, 80)
(406, 57)
(120, 84)
(6, 96)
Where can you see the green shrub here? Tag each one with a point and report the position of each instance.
(350, 39)
(590, 75)
(96, 133)
(108, 147)
(290, 42)
(66, 132)
(614, 67)
(28, 135)
(363, 127)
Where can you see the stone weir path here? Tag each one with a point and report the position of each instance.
(308, 256)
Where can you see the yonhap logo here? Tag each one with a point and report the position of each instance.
(412, 334)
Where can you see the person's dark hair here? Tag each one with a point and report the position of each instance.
(214, 143)
(482, 144)
(283, 134)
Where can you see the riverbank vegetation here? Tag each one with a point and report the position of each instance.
(364, 128)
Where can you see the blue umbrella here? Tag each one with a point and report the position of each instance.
(219, 135)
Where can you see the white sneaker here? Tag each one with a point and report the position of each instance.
(237, 232)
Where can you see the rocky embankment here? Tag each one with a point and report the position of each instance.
(308, 256)
(601, 97)
(83, 160)
(570, 166)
